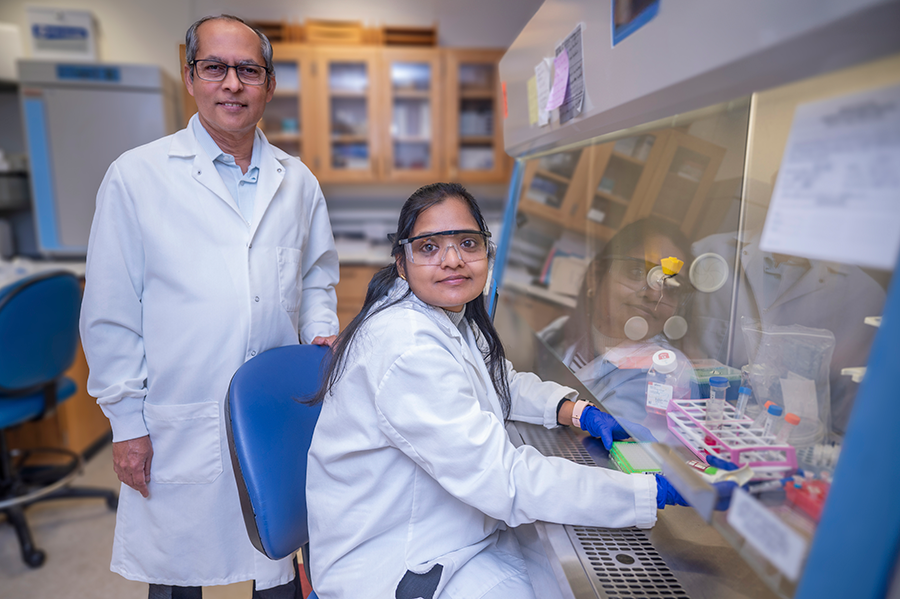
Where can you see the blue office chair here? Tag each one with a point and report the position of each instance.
(269, 433)
(38, 341)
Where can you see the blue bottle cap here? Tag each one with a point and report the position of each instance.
(718, 381)
(775, 410)
(745, 390)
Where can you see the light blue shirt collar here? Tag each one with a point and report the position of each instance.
(213, 150)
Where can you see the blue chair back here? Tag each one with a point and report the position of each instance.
(38, 330)
(269, 434)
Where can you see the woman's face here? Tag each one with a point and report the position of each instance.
(623, 293)
(452, 283)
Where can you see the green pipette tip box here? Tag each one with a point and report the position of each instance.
(633, 458)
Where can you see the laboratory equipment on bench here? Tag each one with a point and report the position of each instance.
(78, 118)
(790, 422)
(715, 407)
(773, 419)
(666, 379)
(735, 439)
(743, 398)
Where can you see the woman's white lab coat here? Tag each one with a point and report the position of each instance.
(411, 467)
(180, 291)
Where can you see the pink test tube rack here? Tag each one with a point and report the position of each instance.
(733, 439)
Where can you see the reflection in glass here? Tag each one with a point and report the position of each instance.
(348, 77)
(597, 341)
(410, 76)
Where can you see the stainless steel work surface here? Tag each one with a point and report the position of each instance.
(681, 557)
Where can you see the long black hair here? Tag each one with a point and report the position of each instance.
(383, 280)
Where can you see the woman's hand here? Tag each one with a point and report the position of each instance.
(603, 426)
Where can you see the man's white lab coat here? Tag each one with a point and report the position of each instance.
(180, 291)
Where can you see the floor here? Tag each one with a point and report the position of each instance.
(77, 536)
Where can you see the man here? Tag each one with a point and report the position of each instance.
(207, 247)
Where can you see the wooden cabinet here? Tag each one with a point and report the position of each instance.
(600, 188)
(410, 114)
(364, 114)
(351, 290)
(474, 125)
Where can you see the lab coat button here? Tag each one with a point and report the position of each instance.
(256, 299)
(252, 352)
(279, 170)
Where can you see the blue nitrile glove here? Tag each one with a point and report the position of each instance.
(724, 491)
(603, 426)
(717, 462)
(666, 493)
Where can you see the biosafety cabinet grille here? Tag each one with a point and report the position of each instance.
(621, 563)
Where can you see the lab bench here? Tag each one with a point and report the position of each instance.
(680, 557)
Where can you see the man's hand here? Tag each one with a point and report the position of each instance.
(324, 340)
(131, 461)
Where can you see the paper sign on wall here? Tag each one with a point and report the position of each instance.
(574, 95)
(542, 82)
(836, 194)
(560, 80)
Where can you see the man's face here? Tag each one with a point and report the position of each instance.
(228, 108)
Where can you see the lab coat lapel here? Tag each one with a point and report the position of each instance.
(811, 281)
(204, 172)
(185, 145)
(271, 174)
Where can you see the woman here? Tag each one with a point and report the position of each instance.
(620, 321)
(412, 478)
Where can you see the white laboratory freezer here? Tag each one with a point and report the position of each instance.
(78, 118)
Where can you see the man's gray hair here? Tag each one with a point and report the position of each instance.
(192, 41)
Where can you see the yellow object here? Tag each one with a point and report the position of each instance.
(671, 266)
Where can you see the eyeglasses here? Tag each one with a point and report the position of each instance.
(213, 70)
(431, 249)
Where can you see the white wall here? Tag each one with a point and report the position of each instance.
(149, 31)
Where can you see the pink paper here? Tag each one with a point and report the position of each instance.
(560, 79)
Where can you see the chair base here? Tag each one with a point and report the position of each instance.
(22, 486)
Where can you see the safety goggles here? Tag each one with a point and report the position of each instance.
(431, 249)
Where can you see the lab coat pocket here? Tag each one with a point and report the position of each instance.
(186, 443)
(290, 283)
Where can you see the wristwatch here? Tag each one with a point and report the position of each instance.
(577, 411)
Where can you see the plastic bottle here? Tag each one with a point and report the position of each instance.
(761, 417)
(790, 421)
(661, 381)
(773, 415)
(743, 398)
(715, 406)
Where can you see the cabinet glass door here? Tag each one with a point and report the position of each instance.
(412, 149)
(347, 96)
(476, 135)
(281, 121)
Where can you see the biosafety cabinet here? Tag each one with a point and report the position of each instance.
(758, 145)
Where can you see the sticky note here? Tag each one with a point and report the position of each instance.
(532, 101)
(542, 81)
(560, 80)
